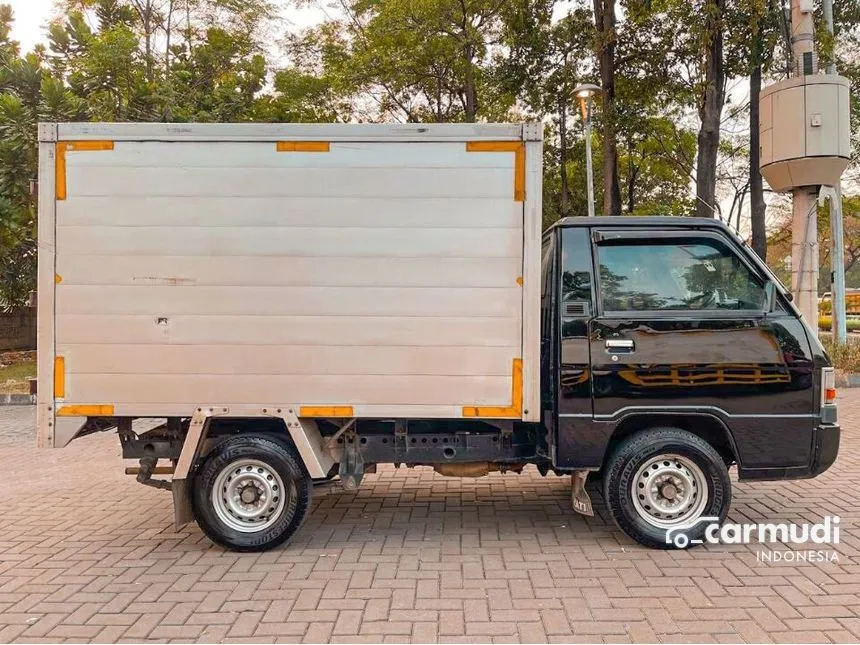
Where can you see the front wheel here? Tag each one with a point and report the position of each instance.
(251, 493)
(665, 486)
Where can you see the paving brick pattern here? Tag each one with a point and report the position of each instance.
(87, 554)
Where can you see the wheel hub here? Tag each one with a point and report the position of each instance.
(248, 495)
(669, 490)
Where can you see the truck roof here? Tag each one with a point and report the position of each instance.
(627, 220)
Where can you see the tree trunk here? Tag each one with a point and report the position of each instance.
(471, 107)
(145, 11)
(438, 97)
(604, 21)
(631, 188)
(167, 111)
(564, 205)
(757, 205)
(632, 175)
(710, 112)
(167, 33)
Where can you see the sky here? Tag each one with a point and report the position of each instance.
(31, 19)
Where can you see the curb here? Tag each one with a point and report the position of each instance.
(17, 399)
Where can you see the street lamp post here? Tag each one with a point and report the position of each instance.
(584, 93)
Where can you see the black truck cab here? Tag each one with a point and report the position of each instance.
(675, 326)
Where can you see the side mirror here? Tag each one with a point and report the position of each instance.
(769, 297)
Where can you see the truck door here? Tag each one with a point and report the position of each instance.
(682, 327)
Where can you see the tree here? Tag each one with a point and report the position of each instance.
(752, 42)
(779, 244)
(710, 107)
(544, 63)
(170, 60)
(655, 165)
(845, 52)
(604, 20)
(415, 60)
(757, 205)
(656, 146)
(28, 94)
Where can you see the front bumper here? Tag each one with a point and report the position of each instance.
(825, 448)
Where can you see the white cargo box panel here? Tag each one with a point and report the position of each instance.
(377, 271)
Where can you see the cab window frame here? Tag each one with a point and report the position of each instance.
(618, 237)
(547, 264)
(575, 236)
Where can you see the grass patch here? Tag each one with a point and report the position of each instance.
(13, 378)
(845, 357)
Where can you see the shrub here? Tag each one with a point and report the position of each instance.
(825, 322)
(845, 357)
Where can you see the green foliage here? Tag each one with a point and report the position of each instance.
(29, 94)
(408, 61)
(414, 60)
(779, 245)
(844, 356)
(129, 60)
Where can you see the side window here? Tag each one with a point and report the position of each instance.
(576, 301)
(699, 274)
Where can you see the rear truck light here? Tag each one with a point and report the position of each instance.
(828, 386)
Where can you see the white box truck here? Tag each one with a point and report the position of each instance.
(284, 303)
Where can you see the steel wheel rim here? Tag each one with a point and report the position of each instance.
(669, 491)
(249, 495)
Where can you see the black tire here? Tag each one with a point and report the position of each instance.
(633, 453)
(275, 454)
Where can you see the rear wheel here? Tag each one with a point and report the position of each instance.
(665, 486)
(251, 493)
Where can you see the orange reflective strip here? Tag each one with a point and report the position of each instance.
(60, 159)
(60, 171)
(302, 146)
(516, 407)
(519, 150)
(59, 377)
(494, 146)
(520, 174)
(85, 411)
(326, 411)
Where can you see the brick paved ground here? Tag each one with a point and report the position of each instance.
(88, 554)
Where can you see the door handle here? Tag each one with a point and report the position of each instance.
(614, 345)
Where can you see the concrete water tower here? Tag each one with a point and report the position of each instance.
(805, 144)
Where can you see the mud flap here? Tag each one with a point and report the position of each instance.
(578, 496)
(351, 469)
(182, 511)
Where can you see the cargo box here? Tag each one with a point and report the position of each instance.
(368, 271)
